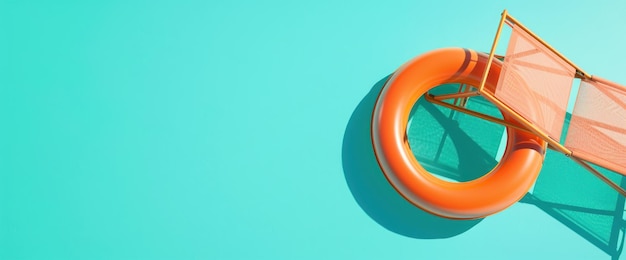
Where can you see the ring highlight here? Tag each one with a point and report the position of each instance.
(504, 185)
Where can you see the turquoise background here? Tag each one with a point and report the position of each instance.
(238, 130)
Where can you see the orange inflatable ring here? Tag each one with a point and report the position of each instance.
(507, 183)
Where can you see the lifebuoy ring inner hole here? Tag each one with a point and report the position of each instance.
(451, 145)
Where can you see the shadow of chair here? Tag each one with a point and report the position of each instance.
(459, 147)
(582, 202)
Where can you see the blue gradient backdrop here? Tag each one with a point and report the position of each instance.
(214, 130)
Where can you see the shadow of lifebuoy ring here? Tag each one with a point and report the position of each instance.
(504, 185)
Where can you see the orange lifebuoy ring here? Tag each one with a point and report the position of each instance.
(509, 180)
